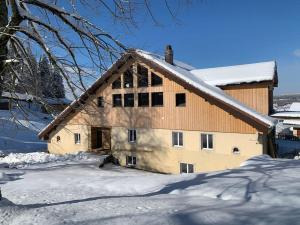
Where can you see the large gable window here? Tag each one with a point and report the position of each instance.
(143, 99)
(116, 84)
(129, 100)
(117, 100)
(128, 78)
(156, 80)
(157, 99)
(142, 75)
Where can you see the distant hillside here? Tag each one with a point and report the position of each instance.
(286, 99)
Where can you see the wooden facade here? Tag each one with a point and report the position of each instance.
(198, 114)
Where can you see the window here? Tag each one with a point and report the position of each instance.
(143, 99)
(177, 139)
(132, 135)
(116, 84)
(142, 75)
(236, 150)
(77, 138)
(128, 78)
(155, 80)
(186, 168)
(157, 99)
(130, 160)
(100, 102)
(180, 100)
(206, 141)
(117, 100)
(129, 100)
(57, 138)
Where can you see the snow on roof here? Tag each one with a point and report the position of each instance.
(287, 114)
(197, 82)
(177, 63)
(57, 101)
(18, 96)
(292, 122)
(295, 107)
(247, 73)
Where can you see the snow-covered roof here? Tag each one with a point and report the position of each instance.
(57, 101)
(295, 107)
(287, 114)
(211, 90)
(18, 96)
(247, 73)
(292, 122)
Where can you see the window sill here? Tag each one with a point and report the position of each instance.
(207, 149)
(177, 146)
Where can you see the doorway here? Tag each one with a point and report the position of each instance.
(100, 139)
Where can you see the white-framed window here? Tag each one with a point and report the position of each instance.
(207, 141)
(132, 135)
(130, 160)
(177, 139)
(77, 138)
(186, 168)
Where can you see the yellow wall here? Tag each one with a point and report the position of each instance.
(154, 150)
(67, 140)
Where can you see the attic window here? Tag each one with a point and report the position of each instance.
(117, 100)
(157, 99)
(116, 84)
(156, 80)
(143, 99)
(129, 100)
(142, 75)
(128, 78)
(180, 100)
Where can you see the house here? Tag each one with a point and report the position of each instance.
(289, 120)
(11, 100)
(55, 105)
(159, 114)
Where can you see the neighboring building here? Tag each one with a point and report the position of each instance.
(159, 114)
(55, 105)
(289, 120)
(10, 100)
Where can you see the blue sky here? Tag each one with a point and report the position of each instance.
(218, 33)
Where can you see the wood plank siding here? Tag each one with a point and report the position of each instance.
(254, 96)
(198, 114)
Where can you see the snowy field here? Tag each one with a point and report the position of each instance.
(74, 190)
(19, 129)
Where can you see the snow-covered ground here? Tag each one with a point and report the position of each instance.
(76, 191)
(18, 131)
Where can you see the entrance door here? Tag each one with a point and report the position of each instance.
(100, 138)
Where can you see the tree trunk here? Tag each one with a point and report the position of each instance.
(3, 46)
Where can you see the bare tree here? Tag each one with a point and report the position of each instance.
(59, 31)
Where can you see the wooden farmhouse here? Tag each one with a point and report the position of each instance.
(158, 114)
